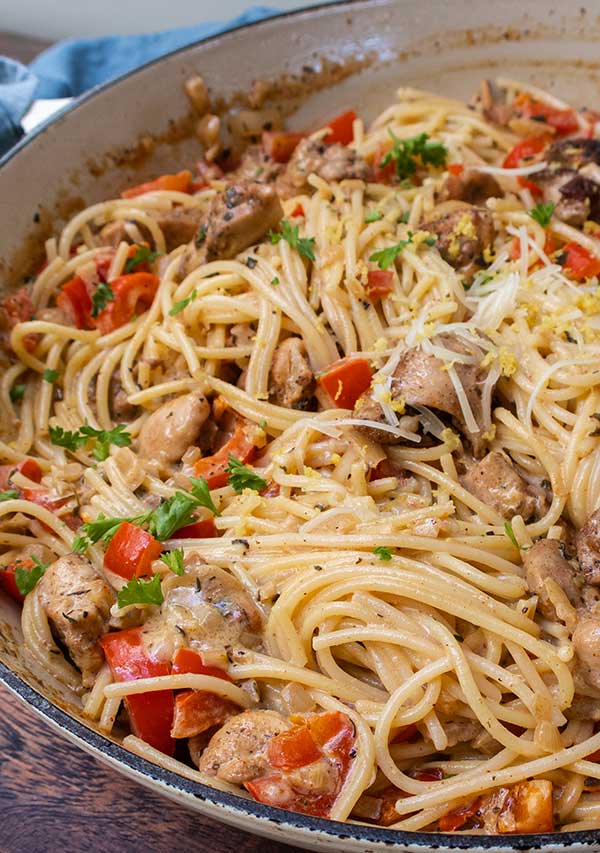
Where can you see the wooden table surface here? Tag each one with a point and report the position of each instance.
(55, 797)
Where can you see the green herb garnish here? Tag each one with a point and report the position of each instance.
(74, 439)
(16, 392)
(174, 560)
(373, 216)
(179, 306)
(241, 477)
(385, 257)
(50, 375)
(9, 495)
(139, 591)
(383, 553)
(291, 234)
(102, 295)
(275, 280)
(511, 534)
(201, 235)
(142, 255)
(406, 151)
(542, 213)
(201, 492)
(26, 579)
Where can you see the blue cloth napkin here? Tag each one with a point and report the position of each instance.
(71, 67)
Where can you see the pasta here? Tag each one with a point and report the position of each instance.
(302, 464)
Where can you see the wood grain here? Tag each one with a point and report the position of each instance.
(53, 797)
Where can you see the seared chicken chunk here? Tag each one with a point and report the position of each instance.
(77, 602)
(522, 808)
(236, 753)
(292, 379)
(546, 561)
(463, 234)
(256, 165)
(587, 542)
(586, 642)
(330, 162)
(180, 225)
(495, 481)
(172, 428)
(471, 186)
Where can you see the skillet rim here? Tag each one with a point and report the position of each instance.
(261, 815)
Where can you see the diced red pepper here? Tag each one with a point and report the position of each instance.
(580, 263)
(527, 150)
(204, 529)
(298, 210)
(180, 182)
(333, 732)
(187, 660)
(133, 294)
(380, 283)
(76, 302)
(456, 168)
(42, 497)
(241, 445)
(563, 121)
(292, 749)
(28, 468)
(131, 552)
(196, 711)
(280, 144)
(457, 818)
(7, 578)
(341, 129)
(150, 714)
(345, 380)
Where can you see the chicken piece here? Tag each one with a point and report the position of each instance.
(256, 165)
(172, 428)
(237, 218)
(463, 234)
(113, 233)
(546, 561)
(77, 602)
(494, 105)
(586, 642)
(196, 711)
(236, 752)
(576, 197)
(495, 482)
(573, 153)
(471, 186)
(292, 380)
(587, 543)
(422, 380)
(225, 593)
(180, 225)
(330, 162)
(523, 808)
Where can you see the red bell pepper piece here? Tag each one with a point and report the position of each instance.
(527, 150)
(457, 818)
(131, 552)
(456, 168)
(380, 283)
(41, 497)
(180, 182)
(196, 711)
(292, 749)
(563, 121)
(212, 468)
(341, 129)
(204, 529)
(298, 210)
(76, 302)
(28, 468)
(187, 660)
(580, 263)
(133, 294)
(383, 174)
(150, 714)
(280, 144)
(345, 380)
(7, 578)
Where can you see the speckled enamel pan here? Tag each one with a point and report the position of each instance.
(323, 59)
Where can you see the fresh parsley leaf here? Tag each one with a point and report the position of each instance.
(172, 514)
(291, 234)
(103, 529)
(406, 151)
(139, 591)
(275, 280)
(142, 255)
(385, 257)
(50, 375)
(201, 235)
(404, 217)
(70, 439)
(510, 533)
(430, 241)
(9, 495)
(104, 438)
(80, 544)
(383, 553)
(373, 216)
(201, 492)
(174, 560)
(542, 213)
(241, 477)
(262, 424)
(102, 295)
(26, 578)
(179, 306)
(16, 392)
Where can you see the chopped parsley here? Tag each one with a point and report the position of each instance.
(404, 217)
(27, 578)
(542, 213)
(275, 280)
(50, 375)
(510, 533)
(262, 424)
(102, 295)
(373, 216)
(179, 306)
(201, 492)
(385, 257)
(241, 477)
(405, 152)
(74, 439)
(139, 591)
(291, 234)
(200, 236)
(143, 255)
(383, 553)
(9, 495)
(17, 392)
(174, 560)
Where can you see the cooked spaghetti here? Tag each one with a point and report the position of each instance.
(302, 464)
